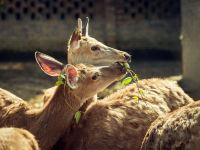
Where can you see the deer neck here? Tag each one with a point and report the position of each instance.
(50, 122)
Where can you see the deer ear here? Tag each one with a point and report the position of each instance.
(74, 42)
(71, 76)
(48, 64)
(76, 36)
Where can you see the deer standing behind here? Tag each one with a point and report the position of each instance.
(117, 122)
(51, 121)
(17, 139)
(82, 48)
(177, 130)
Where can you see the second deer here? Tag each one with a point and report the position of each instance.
(51, 121)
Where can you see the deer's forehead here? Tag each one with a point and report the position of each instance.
(92, 41)
(82, 68)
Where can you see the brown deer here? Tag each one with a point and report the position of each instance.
(51, 121)
(84, 49)
(17, 139)
(117, 122)
(177, 130)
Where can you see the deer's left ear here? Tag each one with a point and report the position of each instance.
(71, 76)
(74, 41)
(48, 64)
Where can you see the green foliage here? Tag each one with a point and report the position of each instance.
(60, 80)
(133, 78)
(136, 99)
(126, 66)
(77, 116)
(141, 91)
(127, 81)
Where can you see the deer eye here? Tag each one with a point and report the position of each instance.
(95, 48)
(96, 76)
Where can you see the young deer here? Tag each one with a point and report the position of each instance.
(51, 121)
(177, 130)
(117, 122)
(17, 139)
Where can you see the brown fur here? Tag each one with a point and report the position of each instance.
(177, 130)
(117, 122)
(51, 121)
(17, 139)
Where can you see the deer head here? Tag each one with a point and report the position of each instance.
(84, 80)
(84, 49)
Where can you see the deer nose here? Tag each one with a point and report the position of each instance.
(127, 57)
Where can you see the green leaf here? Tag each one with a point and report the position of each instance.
(127, 81)
(62, 76)
(136, 99)
(126, 65)
(59, 82)
(77, 116)
(135, 77)
(141, 91)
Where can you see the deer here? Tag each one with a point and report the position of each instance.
(82, 48)
(48, 123)
(175, 130)
(117, 122)
(17, 139)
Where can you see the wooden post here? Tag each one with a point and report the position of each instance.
(191, 46)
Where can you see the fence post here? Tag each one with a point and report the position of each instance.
(191, 46)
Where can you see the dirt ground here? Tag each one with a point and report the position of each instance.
(26, 80)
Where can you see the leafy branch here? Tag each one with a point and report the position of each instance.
(132, 79)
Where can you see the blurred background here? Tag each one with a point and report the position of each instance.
(162, 37)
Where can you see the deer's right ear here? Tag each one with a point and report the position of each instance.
(72, 76)
(48, 64)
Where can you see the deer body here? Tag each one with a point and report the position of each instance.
(177, 130)
(17, 139)
(116, 122)
(51, 121)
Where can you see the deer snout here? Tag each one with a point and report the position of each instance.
(127, 57)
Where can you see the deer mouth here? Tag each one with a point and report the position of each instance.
(121, 67)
